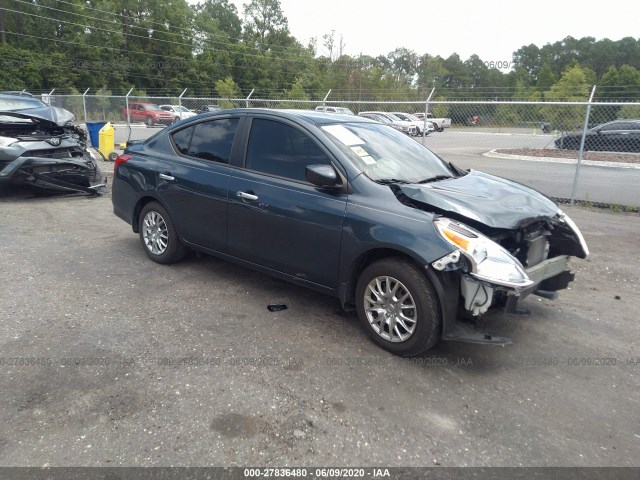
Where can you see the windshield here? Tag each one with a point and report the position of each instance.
(403, 116)
(181, 109)
(151, 106)
(383, 153)
(392, 117)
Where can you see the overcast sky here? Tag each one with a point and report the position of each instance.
(493, 29)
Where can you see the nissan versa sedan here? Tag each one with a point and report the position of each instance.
(351, 208)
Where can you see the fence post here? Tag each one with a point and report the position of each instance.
(249, 96)
(126, 99)
(48, 97)
(84, 104)
(426, 111)
(581, 151)
(325, 97)
(180, 102)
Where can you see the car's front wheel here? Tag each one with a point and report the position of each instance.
(149, 122)
(159, 236)
(397, 307)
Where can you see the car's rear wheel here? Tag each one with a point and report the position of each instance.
(159, 236)
(397, 307)
(149, 122)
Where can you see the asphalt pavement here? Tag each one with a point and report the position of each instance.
(604, 184)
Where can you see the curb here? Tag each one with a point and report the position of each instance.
(569, 161)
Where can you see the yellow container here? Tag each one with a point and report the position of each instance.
(106, 139)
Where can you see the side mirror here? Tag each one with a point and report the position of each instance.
(322, 175)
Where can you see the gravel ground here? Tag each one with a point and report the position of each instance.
(108, 359)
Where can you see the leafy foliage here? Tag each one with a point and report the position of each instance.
(162, 47)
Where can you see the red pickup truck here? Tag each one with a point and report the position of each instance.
(148, 113)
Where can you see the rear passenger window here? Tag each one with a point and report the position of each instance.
(182, 139)
(213, 140)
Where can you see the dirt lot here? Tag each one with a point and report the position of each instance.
(109, 359)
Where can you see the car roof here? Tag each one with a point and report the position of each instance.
(614, 122)
(310, 116)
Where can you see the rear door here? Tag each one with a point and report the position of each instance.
(277, 219)
(194, 182)
(607, 138)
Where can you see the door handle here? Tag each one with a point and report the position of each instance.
(247, 196)
(165, 176)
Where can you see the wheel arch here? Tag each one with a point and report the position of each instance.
(445, 284)
(135, 221)
(346, 290)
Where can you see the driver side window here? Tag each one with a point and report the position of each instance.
(281, 150)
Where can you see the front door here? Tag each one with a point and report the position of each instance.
(277, 219)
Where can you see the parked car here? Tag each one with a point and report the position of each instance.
(208, 108)
(149, 113)
(179, 112)
(384, 120)
(440, 122)
(616, 136)
(388, 118)
(420, 124)
(351, 208)
(40, 146)
(341, 110)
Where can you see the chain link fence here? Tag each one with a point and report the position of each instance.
(570, 150)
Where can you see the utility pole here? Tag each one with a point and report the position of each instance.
(125, 16)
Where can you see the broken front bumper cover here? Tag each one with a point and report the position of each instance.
(63, 174)
(546, 278)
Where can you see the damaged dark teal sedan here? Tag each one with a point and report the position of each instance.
(351, 208)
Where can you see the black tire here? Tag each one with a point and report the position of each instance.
(428, 320)
(174, 250)
(440, 129)
(149, 122)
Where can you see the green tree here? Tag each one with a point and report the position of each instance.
(630, 112)
(265, 23)
(227, 89)
(573, 86)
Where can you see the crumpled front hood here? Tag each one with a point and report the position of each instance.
(49, 116)
(483, 198)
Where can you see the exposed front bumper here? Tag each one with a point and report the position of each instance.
(64, 174)
(547, 269)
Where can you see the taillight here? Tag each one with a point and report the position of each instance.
(120, 160)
